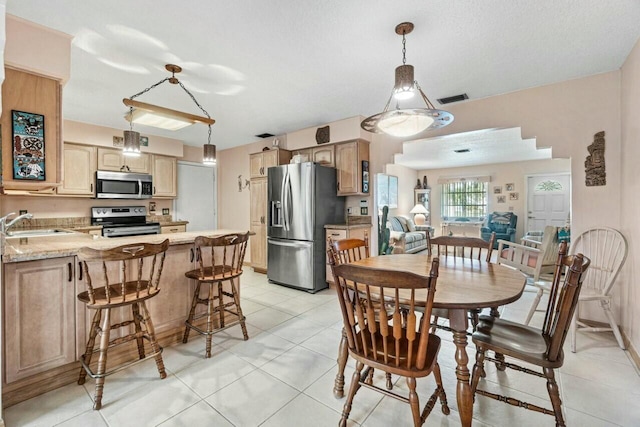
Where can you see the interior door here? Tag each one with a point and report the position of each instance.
(196, 201)
(548, 201)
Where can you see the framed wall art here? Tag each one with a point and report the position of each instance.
(497, 190)
(502, 199)
(28, 145)
(513, 196)
(510, 187)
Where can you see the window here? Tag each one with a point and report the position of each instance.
(464, 199)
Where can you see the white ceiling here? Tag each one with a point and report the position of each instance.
(283, 65)
(486, 146)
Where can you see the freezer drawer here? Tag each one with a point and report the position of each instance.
(291, 263)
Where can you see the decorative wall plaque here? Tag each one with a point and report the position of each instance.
(322, 135)
(28, 145)
(594, 167)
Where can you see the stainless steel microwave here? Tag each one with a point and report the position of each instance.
(123, 185)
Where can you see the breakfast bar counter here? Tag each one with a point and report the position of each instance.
(16, 249)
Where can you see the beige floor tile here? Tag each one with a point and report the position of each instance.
(298, 367)
(198, 415)
(267, 318)
(149, 405)
(90, 418)
(261, 349)
(210, 375)
(297, 330)
(50, 408)
(305, 411)
(325, 342)
(252, 399)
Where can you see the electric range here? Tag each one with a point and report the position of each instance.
(123, 221)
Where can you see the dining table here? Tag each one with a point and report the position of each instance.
(463, 284)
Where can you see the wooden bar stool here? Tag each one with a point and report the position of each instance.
(225, 264)
(135, 271)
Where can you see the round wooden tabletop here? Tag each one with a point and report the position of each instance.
(462, 282)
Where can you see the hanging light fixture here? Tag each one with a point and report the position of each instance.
(164, 118)
(408, 121)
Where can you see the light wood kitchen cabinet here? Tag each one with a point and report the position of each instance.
(26, 92)
(260, 162)
(165, 229)
(349, 158)
(110, 159)
(345, 233)
(325, 155)
(39, 316)
(165, 176)
(258, 223)
(79, 170)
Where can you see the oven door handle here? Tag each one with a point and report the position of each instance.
(139, 189)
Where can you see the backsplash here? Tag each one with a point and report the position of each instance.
(73, 222)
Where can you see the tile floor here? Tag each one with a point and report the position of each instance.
(283, 376)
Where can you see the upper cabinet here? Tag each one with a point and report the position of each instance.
(350, 156)
(325, 155)
(165, 176)
(79, 167)
(260, 162)
(30, 93)
(110, 159)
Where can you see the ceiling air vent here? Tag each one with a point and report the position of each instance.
(463, 150)
(265, 135)
(454, 98)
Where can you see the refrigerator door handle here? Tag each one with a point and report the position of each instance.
(288, 201)
(289, 243)
(285, 200)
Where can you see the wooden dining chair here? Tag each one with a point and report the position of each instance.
(127, 275)
(343, 252)
(464, 247)
(535, 260)
(607, 250)
(220, 260)
(539, 347)
(401, 345)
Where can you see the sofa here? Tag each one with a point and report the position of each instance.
(406, 237)
(501, 223)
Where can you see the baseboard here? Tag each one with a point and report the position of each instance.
(632, 350)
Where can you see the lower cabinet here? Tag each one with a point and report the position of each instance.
(165, 229)
(258, 244)
(345, 233)
(39, 316)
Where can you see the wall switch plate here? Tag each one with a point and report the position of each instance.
(349, 211)
(23, 211)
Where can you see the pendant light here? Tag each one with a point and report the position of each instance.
(409, 121)
(164, 118)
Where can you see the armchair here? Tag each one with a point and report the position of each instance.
(501, 223)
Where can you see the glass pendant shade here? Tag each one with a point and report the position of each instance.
(209, 154)
(131, 143)
(403, 88)
(404, 123)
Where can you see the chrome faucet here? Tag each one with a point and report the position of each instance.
(4, 226)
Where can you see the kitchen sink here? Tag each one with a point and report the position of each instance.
(39, 233)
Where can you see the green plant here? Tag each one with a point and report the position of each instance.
(383, 233)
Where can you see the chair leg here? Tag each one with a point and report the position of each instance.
(343, 354)
(220, 305)
(102, 359)
(554, 394)
(236, 301)
(434, 328)
(91, 342)
(210, 312)
(389, 381)
(192, 313)
(606, 306)
(478, 370)
(534, 306)
(573, 329)
(152, 340)
(353, 389)
(414, 402)
(442, 394)
(136, 321)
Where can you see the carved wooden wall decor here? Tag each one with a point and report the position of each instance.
(594, 164)
(322, 135)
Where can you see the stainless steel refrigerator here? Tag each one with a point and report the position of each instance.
(302, 199)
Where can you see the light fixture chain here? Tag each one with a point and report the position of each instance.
(149, 88)
(404, 49)
(194, 100)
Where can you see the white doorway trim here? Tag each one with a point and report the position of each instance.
(527, 209)
(183, 204)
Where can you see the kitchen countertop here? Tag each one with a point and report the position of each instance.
(347, 226)
(16, 249)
